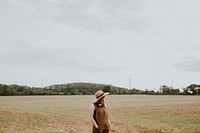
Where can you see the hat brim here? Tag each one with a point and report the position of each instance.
(97, 99)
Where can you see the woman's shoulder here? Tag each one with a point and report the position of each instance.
(92, 106)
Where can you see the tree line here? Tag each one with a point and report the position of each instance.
(90, 89)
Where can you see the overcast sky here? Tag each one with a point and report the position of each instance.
(155, 42)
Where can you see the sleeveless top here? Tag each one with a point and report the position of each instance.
(101, 118)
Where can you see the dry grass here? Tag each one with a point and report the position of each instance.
(128, 114)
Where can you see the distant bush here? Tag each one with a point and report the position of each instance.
(90, 89)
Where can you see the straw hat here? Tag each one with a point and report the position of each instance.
(99, 94)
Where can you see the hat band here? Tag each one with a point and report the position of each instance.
(100, 95)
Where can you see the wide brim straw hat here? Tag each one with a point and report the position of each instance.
(99, 94)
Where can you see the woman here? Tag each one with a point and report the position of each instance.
(99, 114)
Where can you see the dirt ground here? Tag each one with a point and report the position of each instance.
(19, 122)
(59, 114)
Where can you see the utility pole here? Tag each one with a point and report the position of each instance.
(42, 83)
(130, 81)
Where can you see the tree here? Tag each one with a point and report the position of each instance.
(193, 89)
(106, 88)
(165, 89)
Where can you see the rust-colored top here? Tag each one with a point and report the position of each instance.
(101, 118)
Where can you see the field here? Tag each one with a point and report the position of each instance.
(128, 114)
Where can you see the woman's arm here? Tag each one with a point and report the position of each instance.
(91, 111)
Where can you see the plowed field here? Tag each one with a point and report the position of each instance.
(128, 114)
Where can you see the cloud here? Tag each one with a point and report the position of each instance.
(98, 15)
(30, 54)
(194, 48)
(190, 64)
(104, 16)
(20, 53)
